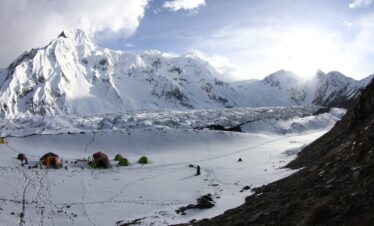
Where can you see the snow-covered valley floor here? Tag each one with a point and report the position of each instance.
(80, 195)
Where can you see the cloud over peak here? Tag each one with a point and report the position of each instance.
(31, 23)
(360, 3)
(176, 5)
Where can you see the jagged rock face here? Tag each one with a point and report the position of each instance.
(334, 187)
(71, 75)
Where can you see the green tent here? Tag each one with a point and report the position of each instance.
(92, 165)
(143, 160)
(123, 162)
(118, 157)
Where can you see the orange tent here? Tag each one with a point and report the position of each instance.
(51, 160)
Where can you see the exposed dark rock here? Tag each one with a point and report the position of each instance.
(62, 34)
(221, 128)
(134, 222)
(204, 202)
(178, 70)
(178, 95)
(322, 110)
(245, 188)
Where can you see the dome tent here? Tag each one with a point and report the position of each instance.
(123, 162)
(143, 160)
(51, 160)
(118, 157)
(100, 160)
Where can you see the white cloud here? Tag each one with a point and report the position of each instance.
(347, 23)
(176, 5)
(228, 70)
(360, 3)
(31, 23)
(302, 49)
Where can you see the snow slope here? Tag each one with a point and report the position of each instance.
(79, 195)
(73, 76)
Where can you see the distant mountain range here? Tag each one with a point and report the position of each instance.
(71, 75)
(285, 88)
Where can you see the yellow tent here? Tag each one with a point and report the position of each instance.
(2, 140)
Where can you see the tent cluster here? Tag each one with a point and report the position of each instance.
(121, 160)
(125, 162)
(99, 160)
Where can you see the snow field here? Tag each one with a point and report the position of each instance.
(79, 195)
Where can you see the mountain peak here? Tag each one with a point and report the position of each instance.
(281, 78)
(320, 74)
(77, 36)
(62, 34)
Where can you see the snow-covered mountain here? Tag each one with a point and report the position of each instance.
(284, 88)
(71, 75)
(334, 88)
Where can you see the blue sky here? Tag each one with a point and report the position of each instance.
(242, 38)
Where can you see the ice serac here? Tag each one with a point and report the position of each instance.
(71, 75)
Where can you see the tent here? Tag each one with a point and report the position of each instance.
(118, 157)
(51, 160)
(143, 160)
(2, 140)
(100, 160)
(123, 162)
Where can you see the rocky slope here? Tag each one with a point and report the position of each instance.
(335, 185)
